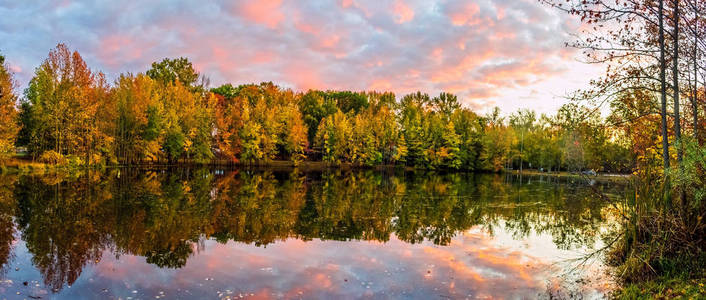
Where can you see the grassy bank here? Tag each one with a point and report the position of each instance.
(20, 165)
(606, 177)
(665, 287)
(25, 165)
(660, 249)
(657, 272)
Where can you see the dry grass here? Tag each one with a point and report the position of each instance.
(659, 245)
(22, 165)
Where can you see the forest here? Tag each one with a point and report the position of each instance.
(70, 115)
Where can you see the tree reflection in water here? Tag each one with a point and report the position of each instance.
(164, 216)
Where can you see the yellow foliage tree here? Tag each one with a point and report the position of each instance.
(8, 111)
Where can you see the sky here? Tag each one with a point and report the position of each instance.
(504, 53)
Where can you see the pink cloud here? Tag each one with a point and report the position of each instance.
(403, 13)
(304, 77)
(263, 57)
(266, 12)
(329, 41)
(114, 49)
(464, 14)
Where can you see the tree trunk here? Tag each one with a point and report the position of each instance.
(663, 87)
(675, 83)
(694, 94)
(694, 107)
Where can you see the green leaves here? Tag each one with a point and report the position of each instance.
(169, 71)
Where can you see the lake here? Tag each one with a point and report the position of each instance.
(231, 234)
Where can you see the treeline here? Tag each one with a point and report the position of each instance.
(71, 115)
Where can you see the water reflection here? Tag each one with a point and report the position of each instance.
(198, 222)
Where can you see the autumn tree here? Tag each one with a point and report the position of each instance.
(187, 123)
(292, 136)
(259, 122)
(629, 36)
(376, 137)
(228, 122)
(138, 124)
(68, 109)
(8, 110)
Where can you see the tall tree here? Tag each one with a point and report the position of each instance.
(620, 34)
(8, 111)
(137, 100)
(228, 122)
(68, 107)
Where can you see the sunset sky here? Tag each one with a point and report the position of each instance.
(506, 53)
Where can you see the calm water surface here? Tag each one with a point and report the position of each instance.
(209, 234)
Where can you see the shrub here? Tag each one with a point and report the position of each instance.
(74, 161)
(53, 158)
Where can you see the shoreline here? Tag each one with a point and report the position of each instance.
(18, 165)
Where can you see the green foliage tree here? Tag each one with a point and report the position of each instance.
(333, 137)
(170, 70)
(314, 107)
(496, 143)
(347, 101)
(469, 128)
(445, 104)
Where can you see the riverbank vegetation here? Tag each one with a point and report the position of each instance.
(654, 53)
